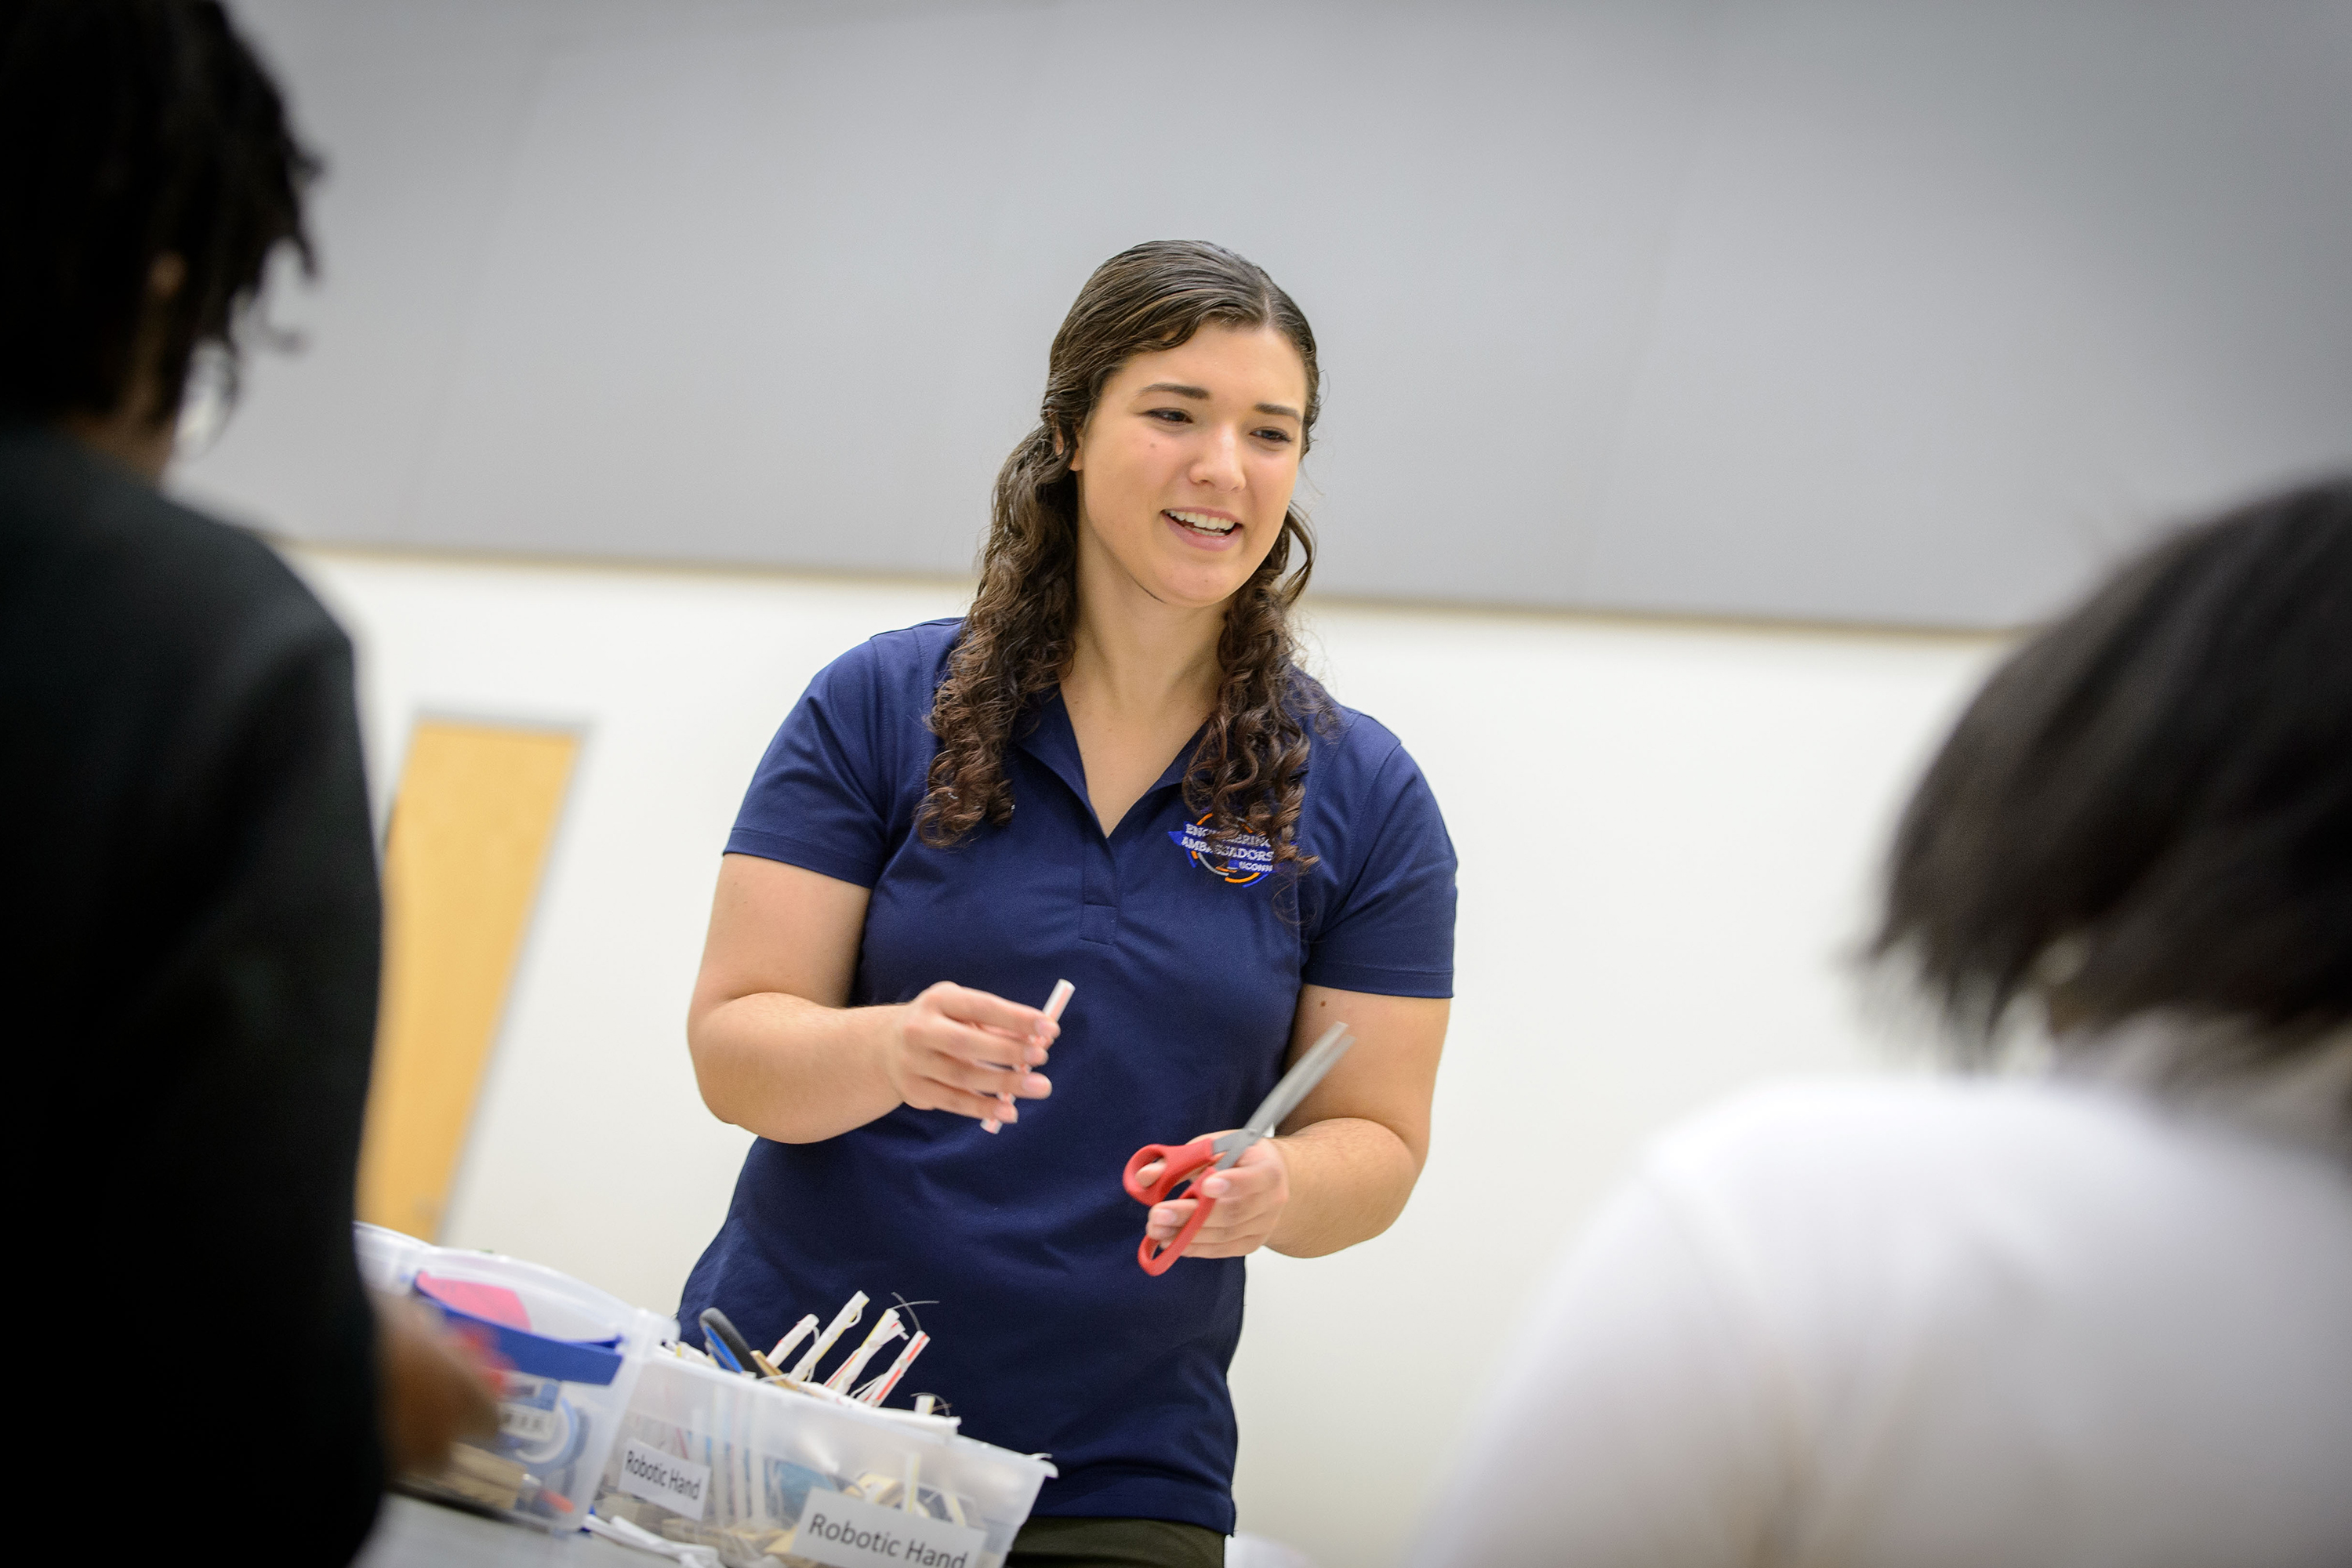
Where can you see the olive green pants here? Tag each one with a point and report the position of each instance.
(1115, 1543)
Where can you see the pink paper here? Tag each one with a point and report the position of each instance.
(492, 1303)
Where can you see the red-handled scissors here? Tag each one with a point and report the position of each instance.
(1192, 1162)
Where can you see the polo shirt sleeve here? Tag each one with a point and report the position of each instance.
(820, 799)
(1393, 932)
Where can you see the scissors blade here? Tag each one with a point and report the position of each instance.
(1300, 1081)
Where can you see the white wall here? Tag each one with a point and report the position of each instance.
(1665, 832)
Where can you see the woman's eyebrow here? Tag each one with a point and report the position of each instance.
(1201, 394)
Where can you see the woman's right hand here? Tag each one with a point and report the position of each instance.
(954, 1048)
(778, 1050)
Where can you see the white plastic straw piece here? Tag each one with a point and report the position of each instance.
(628, 1535)
(886, 1327)
(913, 1468)
(819, 1392)
(925, 1404)
(805, 1327)
(1063, 992)
(843, 1321)
(876, 1392)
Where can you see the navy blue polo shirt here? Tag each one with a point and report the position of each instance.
(1046, 1337)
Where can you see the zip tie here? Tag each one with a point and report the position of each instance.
(1063, 990)
(876, 1392)
(841, 1321)
(801, 1330)
(886, 1327)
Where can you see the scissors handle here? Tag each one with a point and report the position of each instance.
(1179, 1163)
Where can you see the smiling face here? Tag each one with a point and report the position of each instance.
(1186, 465)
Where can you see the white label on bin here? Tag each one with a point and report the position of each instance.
(842, 1532)
(676, 1484)
(528, 1423)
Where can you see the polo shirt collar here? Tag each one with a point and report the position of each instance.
(1047, 736)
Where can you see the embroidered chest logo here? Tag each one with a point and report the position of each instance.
(1239, 861)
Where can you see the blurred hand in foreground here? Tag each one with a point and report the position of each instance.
(434, 1388)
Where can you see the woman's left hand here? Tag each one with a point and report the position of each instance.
(1251, 1196)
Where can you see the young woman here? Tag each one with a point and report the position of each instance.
(1110, 771)
(2096, 1314)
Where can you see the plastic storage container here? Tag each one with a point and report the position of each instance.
(766, 1477)
(388, 1259)
(571, 1355)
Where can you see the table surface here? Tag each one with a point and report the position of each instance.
(413, 1533)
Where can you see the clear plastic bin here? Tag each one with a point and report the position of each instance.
(711, 1458)
(572, 1355)
(388, 1260)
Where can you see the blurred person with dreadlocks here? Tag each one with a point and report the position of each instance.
(191, 964)
(2095, 1307)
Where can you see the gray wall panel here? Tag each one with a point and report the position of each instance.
(1886, 313)
(1956, 307)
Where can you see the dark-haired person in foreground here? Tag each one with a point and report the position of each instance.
(190, 968)
(2095, 1311)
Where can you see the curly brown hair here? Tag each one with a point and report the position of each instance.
(1246, 775)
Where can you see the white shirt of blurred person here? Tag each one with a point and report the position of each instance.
(2094, 1313)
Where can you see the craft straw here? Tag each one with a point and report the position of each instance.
(801, 1330)
(886, 1327)
(1063, 990)
(842, 1321)
(876, 1392)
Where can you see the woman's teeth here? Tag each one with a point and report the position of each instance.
(1200, 522)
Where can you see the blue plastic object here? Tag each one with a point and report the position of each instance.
(722, 1355)
(597, 1362)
